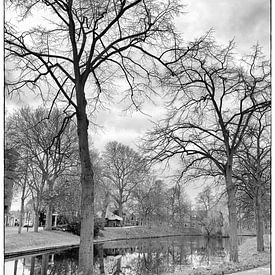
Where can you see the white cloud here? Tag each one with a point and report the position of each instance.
(247, 21)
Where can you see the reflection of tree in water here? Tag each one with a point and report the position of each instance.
(211, 250)
(150, 256)
(158, 256)
(65, 262)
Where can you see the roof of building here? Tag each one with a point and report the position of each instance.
(112, 217)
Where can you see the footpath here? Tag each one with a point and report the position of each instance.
(263, 270)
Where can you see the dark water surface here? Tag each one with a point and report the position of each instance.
(144, 256)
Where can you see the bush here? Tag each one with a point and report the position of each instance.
(99, 224)
(74, 226)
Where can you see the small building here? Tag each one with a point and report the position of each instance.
(113, 220)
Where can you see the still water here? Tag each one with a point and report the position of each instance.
(144, 256)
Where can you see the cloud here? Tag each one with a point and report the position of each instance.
(126, 128)
(247, 21)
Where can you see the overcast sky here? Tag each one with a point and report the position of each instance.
(247, 21)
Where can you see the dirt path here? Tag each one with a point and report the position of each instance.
(263, 270)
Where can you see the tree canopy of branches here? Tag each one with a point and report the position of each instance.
(207, 215)
(151, 201)
(10, 175)
(124, 170)
(77, 52)
(47, 152)
(213, 97)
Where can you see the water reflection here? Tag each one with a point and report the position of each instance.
(147, 256)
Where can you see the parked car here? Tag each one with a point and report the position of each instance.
(28, 224)
(61, 227)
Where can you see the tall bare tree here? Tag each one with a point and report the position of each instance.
(213, 97)
(78, 51)
(151, 202)
(206, 214)
(124, 169)
(253, 171)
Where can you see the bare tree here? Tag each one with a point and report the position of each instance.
(78, 51)
(205, 198)
(34, 136)
(253, 171)
(206, 214)
(211, 109)
(125, 169)
(37, 185)
(22, 183)
(177, 204)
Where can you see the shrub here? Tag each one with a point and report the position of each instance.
(74, 226)
(99, 224)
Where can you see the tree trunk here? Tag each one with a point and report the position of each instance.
(32, 265)
(36, 220)
(49, 216)
(120, 208)
(232, 209)
(21, 215)
(15, 267)
(105, 205)
(259, 221)
(120, 212)
(87, 186)
(44, 264)
(101, 259)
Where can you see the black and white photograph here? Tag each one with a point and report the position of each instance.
(136, 137)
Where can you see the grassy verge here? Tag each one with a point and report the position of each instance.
(119, 233)
(30, 241)
(248, 256)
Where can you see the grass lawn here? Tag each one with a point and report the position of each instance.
(28, 241)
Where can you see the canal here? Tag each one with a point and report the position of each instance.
(169, 255)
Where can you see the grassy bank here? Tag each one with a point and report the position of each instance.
(27, 242)
(119, 233)
(248, 256)
(31, 241)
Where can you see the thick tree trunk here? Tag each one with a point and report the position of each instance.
(36, 220)
(44, 264)
(32, 265)
(232, 209)
(87, 186)
(21, 215)
(49, 216)
(259, 222)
